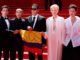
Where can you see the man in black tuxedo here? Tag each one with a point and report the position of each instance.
(37, 23)
(17, 24)
(4, 32)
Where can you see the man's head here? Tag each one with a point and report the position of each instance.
(72, 9)
(19, 12)
(54, 9)
(35, 8)
(4, 10)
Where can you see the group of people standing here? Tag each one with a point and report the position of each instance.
(63, 35)
(10, 39)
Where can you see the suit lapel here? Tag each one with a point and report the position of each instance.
(4, 22)
(30, 19)
(34, 24)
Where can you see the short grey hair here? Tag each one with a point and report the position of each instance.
(54, 5)
(19, 9)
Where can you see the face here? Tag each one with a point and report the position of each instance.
(19, 13)
(72, 12)
(54, 11)
(34, 12)
(4, 12)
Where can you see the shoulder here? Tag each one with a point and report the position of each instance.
(49, 18)
(60, 18)
(67, 19)
(77, 17)
(41, 16)
(13, 19)
(28, 17)
(1, 17)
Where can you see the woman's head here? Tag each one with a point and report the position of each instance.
(72, 9)
(54, 9)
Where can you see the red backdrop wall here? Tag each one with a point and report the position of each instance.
(28, 3)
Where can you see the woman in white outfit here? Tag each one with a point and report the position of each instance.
(72, 41)
(55, 30)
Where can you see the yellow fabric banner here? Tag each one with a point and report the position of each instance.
(31, 36)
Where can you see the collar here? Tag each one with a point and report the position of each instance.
(35, 15)
(77, 18)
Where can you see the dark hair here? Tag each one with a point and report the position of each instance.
(4, 6)
(35, 6)
(73, 6)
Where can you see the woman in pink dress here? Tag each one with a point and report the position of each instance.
(56, 33)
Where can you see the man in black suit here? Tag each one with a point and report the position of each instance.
(36, 23)
(4, 32)
(17, 24)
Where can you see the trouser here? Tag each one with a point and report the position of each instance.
(1, 48)
(6, 49)
(70, 53)
(32, 56)
(17, 45)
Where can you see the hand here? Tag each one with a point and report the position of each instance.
(16, 31)
(46, 36)
(30, 28)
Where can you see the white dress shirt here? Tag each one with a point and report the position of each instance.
(72, 32)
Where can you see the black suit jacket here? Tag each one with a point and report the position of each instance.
(4, 34)
(17, 24)
(40, 25)
(3, 25)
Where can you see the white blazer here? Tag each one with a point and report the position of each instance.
(72, 32)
